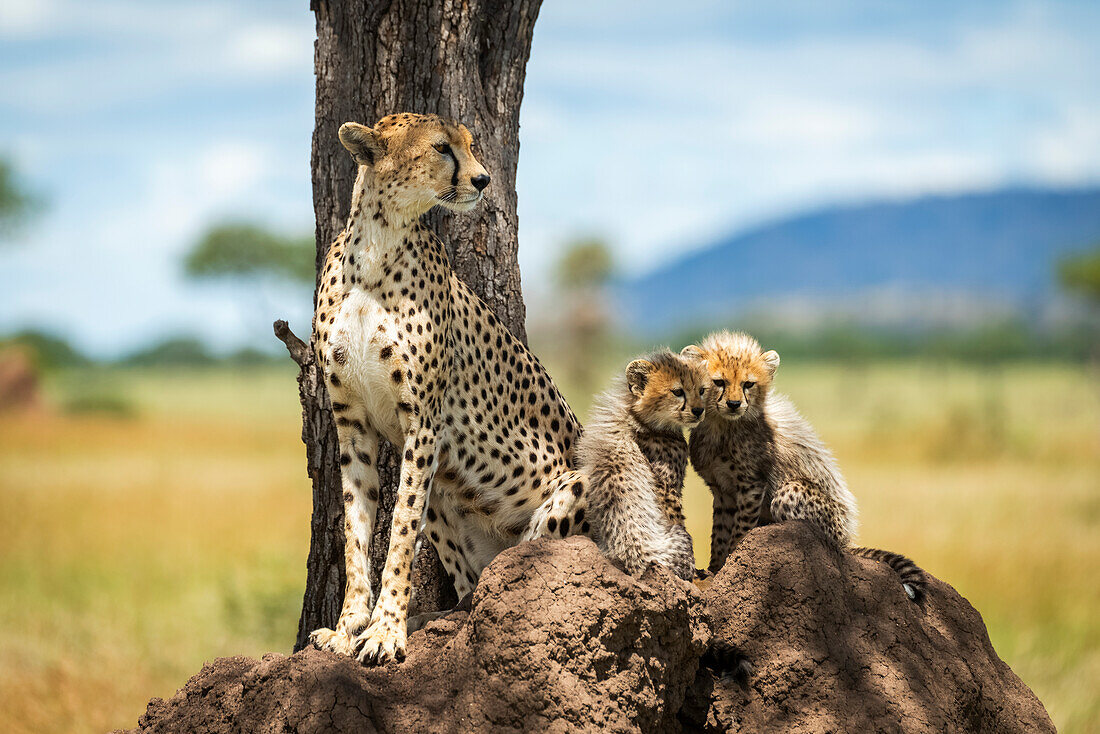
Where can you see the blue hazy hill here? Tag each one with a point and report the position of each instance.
(1000, 245)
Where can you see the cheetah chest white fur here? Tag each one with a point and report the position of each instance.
(362, 329)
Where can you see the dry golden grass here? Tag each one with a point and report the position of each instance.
(135, 549)
(132, 549)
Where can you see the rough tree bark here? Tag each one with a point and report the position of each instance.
(465, 60)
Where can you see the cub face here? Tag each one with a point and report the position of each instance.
(419, 161)
(669, 392)
(738, 370)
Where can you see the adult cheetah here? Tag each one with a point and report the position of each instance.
(412, 355)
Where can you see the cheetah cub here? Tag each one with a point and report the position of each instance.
(761, 458)
(634, 455)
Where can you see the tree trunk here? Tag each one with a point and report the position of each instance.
(463, 60)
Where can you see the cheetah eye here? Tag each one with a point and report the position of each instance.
(678, 392)
(719, 383)
(747, 385)
(702, 390)
(443, 148)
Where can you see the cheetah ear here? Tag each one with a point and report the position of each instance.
(361, 142)
(692, 353)
(637, 375)
(771, 359)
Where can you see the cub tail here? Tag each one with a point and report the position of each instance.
(913, 578)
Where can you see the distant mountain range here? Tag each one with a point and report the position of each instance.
(936, 258)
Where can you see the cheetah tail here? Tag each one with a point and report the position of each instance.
(913, 578)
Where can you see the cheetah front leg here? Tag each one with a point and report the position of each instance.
(746, 513)
(447, 540)
(721, 532)
(359, 479)
(681, 552)
(668, 472)
(385, 637)
(450, 548)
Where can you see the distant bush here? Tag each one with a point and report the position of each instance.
(1000, 341)
(47, 350)
(50, 352)
(190, 352)
(177, 351)
(1080, 273)
(249, 356)
(99, 404)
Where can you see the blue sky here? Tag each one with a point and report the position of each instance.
(658, 125)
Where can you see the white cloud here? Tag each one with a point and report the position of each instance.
(787, 120)
(226, 170)
(26, 19)
(130, 50)
(271, 48)
(1068, 150)
(33, 19)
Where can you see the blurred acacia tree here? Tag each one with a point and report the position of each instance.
(1081, 274)
(586, 264)
(241, 250)
(16, 203)
(267, 261)
(583, 274)
(18, 366)
(48, 351)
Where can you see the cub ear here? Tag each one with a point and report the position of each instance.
(692, 353)
(771, 359)
(637, 375)
(361, 142)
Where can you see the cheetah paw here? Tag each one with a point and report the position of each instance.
(333, 640)
(379, 645)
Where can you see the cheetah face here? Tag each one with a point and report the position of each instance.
(669, 392)
(418, 162)
(738, 381)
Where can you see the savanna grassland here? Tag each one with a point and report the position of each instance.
(162, 519)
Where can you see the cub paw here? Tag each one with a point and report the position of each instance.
(333, 641)
(379, 645)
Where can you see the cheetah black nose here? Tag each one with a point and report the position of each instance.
(480, 182)
(733, 404)
(696, 412)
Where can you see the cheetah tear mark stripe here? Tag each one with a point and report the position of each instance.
(454, 176)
